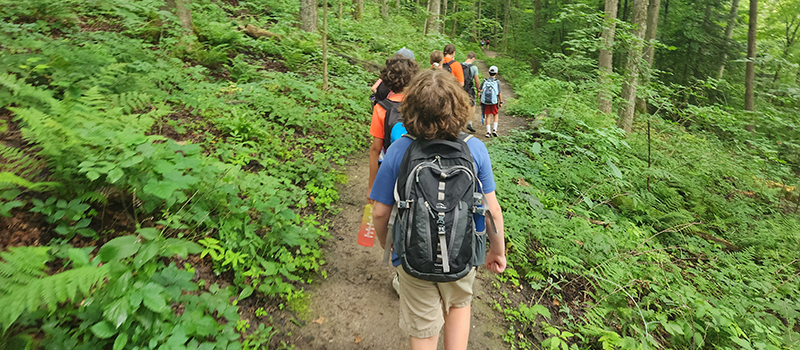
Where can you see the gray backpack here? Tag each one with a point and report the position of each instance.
(490, 91)
(432, 224)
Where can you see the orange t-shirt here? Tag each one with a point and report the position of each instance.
(379, 115)
(457, 71)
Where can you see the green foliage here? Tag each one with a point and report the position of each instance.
(655, 281)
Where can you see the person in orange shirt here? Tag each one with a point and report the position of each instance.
(451, 65)
(398, 72)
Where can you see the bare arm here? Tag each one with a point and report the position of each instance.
(496, 258)
(374, 87)
(374, 155)
(380, 218)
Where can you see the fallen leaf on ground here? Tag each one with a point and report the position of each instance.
(358, 339)
(319, 320)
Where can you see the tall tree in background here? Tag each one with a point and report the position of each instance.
(606, 52)
(444, 16)
(385, 9)
(627, 109)
(184, 14)
(649, 50)
(325, 46)
(432, 23)
(728, 34)
(308, 15)
(750, 73)
(359, 10)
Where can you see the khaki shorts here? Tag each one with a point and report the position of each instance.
(423, 303)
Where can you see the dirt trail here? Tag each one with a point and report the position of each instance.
(356, 307)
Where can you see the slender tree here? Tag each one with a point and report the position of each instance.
(728, 35)
(444, 16)
(359, 10)
(627, 109)
(325, 45)
(385, 9)
(750, 72)
(341, 6)
(434, 6)
(182, 10)
(308, 15)
(455, 19)
(606, 53)
(649, 50)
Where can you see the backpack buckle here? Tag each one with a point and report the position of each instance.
(440, 222)
(405, 204)
(480, 211)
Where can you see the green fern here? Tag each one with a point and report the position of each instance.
(24, 286)
(19, 162)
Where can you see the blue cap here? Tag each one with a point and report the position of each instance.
(405, 52)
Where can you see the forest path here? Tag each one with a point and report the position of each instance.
(355, 307)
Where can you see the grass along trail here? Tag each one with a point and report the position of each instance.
(355, 307)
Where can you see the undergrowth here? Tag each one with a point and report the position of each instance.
(686, 231)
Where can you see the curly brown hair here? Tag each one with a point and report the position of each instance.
(398, 72)
(435, 106)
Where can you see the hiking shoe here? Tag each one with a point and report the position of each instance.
(494, 133)
(396, 284)
(470, 128)
(488, 135)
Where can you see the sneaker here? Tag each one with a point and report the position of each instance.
(396, 284)
(470, 128)
(494, 133)
(488, 135)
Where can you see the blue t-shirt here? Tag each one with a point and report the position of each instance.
(383, 187)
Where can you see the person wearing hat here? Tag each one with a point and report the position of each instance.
(491, 101)
(379, 90)
(395, 76)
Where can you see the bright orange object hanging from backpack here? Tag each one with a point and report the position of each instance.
(366, 233)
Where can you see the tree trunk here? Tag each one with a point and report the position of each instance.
(537, 16)
(750, 73)
(455, 19)
(728, 35)
(341, 7)
(444, 16)
(398, 5)
(479, 37)
(649, 50)
(627, 109)
(496, 18)
(625, 11)
(325, 46)
(184, 14)
(308, 15)
(359, 10)
(385, 9)
(506, 24)
(606, 54)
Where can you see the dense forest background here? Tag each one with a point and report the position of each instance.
(169, 166)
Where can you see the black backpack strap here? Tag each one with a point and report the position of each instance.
(388, 105)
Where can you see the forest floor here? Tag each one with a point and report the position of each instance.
(355, 307)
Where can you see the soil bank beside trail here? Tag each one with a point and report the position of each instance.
(355, 307)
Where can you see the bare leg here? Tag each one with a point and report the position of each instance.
(456, 328)
(428, 343)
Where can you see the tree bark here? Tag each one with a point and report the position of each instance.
(444, 16)
(750, 73)
(184, 14)
(479, 21)
(728, 35)
(341, 7)
(606, 54)
(308, 15)
(649, 50)
(537, 15)
(359, 10)
(625, 11)
(385, 9)
(506, 24)
(627, 109)
(325, 46)
(455, 19)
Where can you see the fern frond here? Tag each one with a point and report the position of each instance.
(130, 101)
(92, 197)
(24, 286)
(19, 162)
